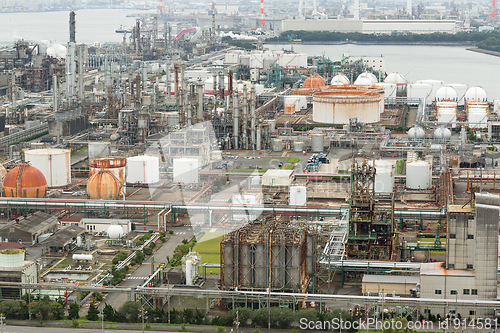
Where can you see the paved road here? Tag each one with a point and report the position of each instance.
(116, 300)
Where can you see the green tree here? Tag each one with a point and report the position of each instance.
(93, 313)
(109, 313)
(42, 309)
(97, 296)
(10, 308)
(57, 311)
(74, 311)
(130, 311)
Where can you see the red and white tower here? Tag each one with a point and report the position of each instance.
(262, 22)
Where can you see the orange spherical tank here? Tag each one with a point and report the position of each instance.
(314, 81)
(114, 164)
(31, 183)
(103, 185)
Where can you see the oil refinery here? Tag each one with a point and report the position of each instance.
(181, 170)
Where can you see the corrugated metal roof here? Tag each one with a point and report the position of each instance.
(32, 223)
(64, 235)
(409, 279)
(278, 173)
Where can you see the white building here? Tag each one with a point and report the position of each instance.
(277, 177)
(98, 225)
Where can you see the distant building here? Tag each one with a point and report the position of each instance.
(26, 229)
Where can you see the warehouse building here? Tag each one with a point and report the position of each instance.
(27, 229)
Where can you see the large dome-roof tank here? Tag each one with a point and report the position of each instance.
(25, 181)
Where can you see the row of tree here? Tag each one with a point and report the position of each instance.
(472, 37)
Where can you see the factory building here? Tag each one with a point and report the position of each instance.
(27, 229)
(64, 239)
(470, 270)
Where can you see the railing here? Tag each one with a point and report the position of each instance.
(23, 135)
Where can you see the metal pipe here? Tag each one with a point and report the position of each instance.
(245, 119)
(200, 94)
(236, 120)
(81, 50)
(252, 119)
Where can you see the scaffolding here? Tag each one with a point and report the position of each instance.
(372, 229)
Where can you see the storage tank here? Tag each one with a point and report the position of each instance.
(185, 170)
(100, 148)
(436, 84)
(363, 81)
(189, 273)
(397, 79)
(461, 89)
(417, 91)
(299, 146)
(11, 258)
(446, 93)
(442, 135)
(337, 107)
(477, 118)
(289, 109)
(115, 231)
(143, 169)
(339, 79)
(115, 164)
(447, 116)
(103, 185)
(384, 180)
(416, 133)
(298, 195)
(3, 172)
(477, 94)
(82, 256)
(55, 165)
(317, 143)
(31, 183)
(313, 81)
(418, 175)
(390, 89)
(367, 75)
(277, 145)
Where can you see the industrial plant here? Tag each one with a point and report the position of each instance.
(175, 166)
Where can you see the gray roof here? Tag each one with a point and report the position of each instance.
(31, 223)
(410, 279)
(65, 235)
(278, 173)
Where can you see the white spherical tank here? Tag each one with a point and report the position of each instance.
(298, 195)
(317, 143)
(99, 148)
(298, 146)
(446, 93)
(418, 175)
(115, 231)
(337, 107)
(11, 258)
(461, 89)
(476, 94)
(363, 81)
(339, 79)
(442, 135)
(367, 75)
(55, 165)
(143, 169)
(395, 78)
(416, 133)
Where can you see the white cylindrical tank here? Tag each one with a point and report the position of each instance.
(11, 258)
(384, 181)
(55, 164)
(461, 89)
(79, 241)
(185, 170)
(390, 89)
(298, 146)
(476, 94)
(99, 149)
(189, 274)
(417, 91)
(143, 169)
(436, 84)
(447, 116)
(477, 118)
(298, 195)
(115, 231)
(317, 143)
(83, 256)
(338, 106)
(277, 145)
(418, 175)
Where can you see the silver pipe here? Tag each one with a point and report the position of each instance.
(245, 119)
(200, 100)
(236, 123)
(252, 112)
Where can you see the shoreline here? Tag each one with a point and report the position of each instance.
(478, 50)
(363, 43)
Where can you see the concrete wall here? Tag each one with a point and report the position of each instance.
(323, 25)
(401, 289)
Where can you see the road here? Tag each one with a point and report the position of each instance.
(136, 278)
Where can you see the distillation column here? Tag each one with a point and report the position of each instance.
(199, 94)
(236, 123)
(245, 120)
(252, 112)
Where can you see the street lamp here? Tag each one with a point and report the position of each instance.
(102, 316)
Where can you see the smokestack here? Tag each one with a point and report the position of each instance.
(409, 7)
(262, 12)
(236, 122)
(81, 50)
(245, 119)
(72, 33)
(252, 112)
(200, 100)
(54, 92)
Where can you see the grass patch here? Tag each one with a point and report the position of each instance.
(399, 167)
(109, 327)
(294, 160)
(430, 240)
(438, 252)
(80, 151)
(287, 167)
(209, 248)
(40, 324)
